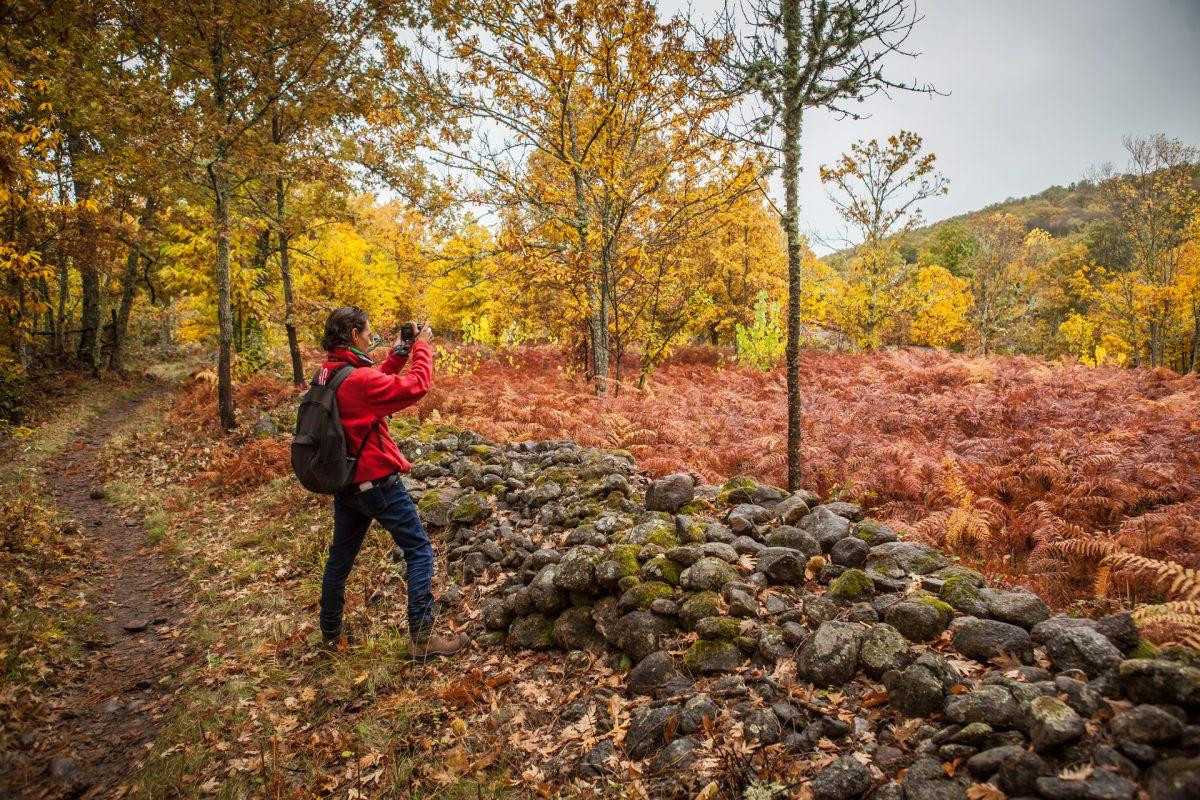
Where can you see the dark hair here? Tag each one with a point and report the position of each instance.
(340, 327)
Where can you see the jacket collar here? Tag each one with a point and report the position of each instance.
(349, 356)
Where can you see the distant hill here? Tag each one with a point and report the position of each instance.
(1061, 211)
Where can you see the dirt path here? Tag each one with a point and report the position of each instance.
(97, 727)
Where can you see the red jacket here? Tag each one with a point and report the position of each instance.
(368, 395)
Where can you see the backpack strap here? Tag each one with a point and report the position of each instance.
(336, 377)
(335, 380)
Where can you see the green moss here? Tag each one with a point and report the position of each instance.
(644, 594)
(562, 477)
(960, 592)
(718, 628)
(927, 562)
(735, 490)
(660, 533)
(662, 569)
(1143, 649)
(868, 530)
(942, 606)
(695, 507)
(482, 450)
(852, 586)
(469, 509)
(960, 573)
(694, 533)
(626, 556)
(706, 654)
(432, 499)
(696, 607)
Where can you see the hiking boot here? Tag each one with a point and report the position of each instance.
(435, 646)
(330, 640)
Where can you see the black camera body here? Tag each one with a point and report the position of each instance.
(409, 331)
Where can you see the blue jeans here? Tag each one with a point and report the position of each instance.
(352, 515)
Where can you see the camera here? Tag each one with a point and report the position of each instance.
(409, 331)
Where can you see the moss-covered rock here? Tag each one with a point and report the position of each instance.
(626, 557)
(469, 509)
(697, 606)
(532, 632)
(655, 532)
(718, 628)
(1143, 649)
(965, 574)
(738, 489)
(661, 569)
(709, 656)
(698, 506)
(961, 593)
(873, 532)
(690, 531)
(943, 608)
(435, 505)
(640, 597)
(852, 586)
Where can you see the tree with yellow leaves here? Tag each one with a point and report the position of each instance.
(877, 189)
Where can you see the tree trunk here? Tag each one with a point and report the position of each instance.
(285, 271)
(129, 291)
(793, 117)
(220, 185)
(89, 337)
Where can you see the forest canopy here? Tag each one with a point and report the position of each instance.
(224, 174)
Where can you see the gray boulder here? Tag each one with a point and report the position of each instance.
(1017, 608)
(827, 527)
(844, 779)
(883, 649)
(1174, 779)
(919, 620)
(650, 729)
(796, 539)
(985, 639)
(919, 690)
(532, 632)
(651, 673)
(1100, 785)
(1076, 647)
(577, 570)
(1052, 724)
(574, 630)
(994, 705)
(791, 509)
(1159, 680)
(637, 633)
(849, 552)
(782, 564)
(915, 558)
(707, 574)
(1147, 724)
(830, 657)
(670, 493)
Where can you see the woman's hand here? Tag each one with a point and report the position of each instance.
(426, 333)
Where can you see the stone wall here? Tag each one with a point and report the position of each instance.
(743, 601)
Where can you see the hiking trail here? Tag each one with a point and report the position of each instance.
(98, 723)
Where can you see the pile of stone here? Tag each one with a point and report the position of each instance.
(703, 592)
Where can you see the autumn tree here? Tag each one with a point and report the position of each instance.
(602, 157)
(1154, 201)
(798, 56)
(1000, 272)
(229, 64)
(877, 189)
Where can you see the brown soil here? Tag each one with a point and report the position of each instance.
(97, 726)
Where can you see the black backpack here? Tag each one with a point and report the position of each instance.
(320, 457)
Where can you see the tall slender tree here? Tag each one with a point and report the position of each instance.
(794, 56)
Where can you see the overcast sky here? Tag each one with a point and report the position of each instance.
(1039, 91)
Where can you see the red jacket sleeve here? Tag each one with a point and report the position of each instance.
(393, 363)
(387, 393)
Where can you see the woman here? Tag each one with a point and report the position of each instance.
(365, 400)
